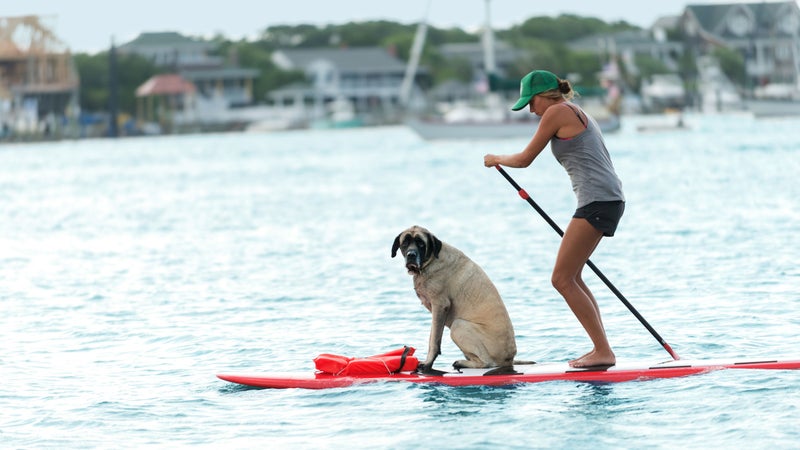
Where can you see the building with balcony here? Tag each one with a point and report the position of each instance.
(766, 34)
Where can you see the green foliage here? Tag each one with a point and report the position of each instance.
(437, 36)
(732, 64)
(366, 34)
(564, 28)
(586, 65)
(453, 69)
(650, 66)
(93, 73)
(93, 70)
(401, 43)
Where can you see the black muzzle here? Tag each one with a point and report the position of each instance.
(413, 261)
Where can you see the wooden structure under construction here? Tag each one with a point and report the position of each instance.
(37, 76)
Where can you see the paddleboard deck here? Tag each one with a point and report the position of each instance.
(533, 373)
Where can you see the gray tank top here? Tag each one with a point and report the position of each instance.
(588, 165)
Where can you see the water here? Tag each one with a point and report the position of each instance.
(132, 271)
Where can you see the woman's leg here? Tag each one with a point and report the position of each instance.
(586, 290)
(578, 243)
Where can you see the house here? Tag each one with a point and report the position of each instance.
(368, 77)
(766, 34)
(162, 97)
(38, 81)
(192, 59)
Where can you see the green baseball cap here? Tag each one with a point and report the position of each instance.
(534, 83)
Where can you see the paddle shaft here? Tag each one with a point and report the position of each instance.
(591, 265)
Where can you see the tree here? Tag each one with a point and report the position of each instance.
(564, 28)
(732, 64)
(132, 71)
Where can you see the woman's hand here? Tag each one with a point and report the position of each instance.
(490, 160)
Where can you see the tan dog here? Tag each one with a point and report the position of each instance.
(459, 295)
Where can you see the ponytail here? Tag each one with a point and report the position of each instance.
(564, 90)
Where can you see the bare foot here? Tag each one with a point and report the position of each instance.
(571, 361)
(594, 358)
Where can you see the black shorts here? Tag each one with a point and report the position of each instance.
(602, 215)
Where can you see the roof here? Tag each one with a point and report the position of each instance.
(165, 85)
(165, 38)
(219, 73)
(667, 22)
(9, 50)
(361, 59)
(765, 14)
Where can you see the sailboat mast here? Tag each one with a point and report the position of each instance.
(413, 60)
(488, 42)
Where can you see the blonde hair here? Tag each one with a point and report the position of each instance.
(564, 91)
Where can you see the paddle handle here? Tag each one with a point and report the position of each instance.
(522, 193)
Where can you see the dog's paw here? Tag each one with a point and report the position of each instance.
(423, 367)
(427, 369)
(460, 364)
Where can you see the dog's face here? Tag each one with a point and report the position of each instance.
(418, 246)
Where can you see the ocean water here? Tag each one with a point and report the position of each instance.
(132, 271)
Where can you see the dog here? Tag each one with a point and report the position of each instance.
(460, 296)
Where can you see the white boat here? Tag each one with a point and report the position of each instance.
(775, 100)
(435, 129)
(773, 107)
(663, 92)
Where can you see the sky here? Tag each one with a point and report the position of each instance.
(91, 25)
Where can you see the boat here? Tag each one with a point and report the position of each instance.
(434, 129)
(661, 125)
(662, 92)
(535, 373)
(766, 107)
(340, 113)
(774, 100)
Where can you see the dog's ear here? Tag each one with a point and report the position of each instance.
(436, 244)
(396, 245)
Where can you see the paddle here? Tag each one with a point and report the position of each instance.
(589, 263)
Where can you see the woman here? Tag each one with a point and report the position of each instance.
(578, 146)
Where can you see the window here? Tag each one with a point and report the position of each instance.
(789, 24)
(739, 24)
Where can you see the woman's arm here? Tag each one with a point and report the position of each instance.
(548, 126)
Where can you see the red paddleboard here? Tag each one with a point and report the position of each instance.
(534, 373)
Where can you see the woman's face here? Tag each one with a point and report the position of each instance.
(538, 105)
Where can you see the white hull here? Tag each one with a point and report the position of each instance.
(773, 107)
(433, 130)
